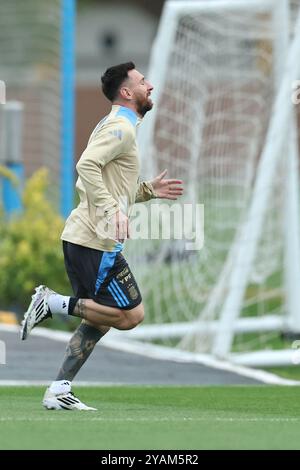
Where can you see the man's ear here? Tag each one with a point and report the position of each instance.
(125, 93)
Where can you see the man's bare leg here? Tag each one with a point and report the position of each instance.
(80, 347)
(91, 330)
(98, 318)
(101, 315)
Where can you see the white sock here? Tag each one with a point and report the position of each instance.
(58, 303)
(60, 386)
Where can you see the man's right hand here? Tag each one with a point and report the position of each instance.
(121, 226)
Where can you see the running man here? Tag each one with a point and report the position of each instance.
(105, 292)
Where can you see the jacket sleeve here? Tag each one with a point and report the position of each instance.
(145, 192)
(112, 140)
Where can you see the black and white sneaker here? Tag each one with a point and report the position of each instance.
(38, 310)
(64, 401)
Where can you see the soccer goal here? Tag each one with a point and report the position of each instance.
(224, 122)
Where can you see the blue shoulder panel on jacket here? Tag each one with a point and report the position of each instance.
(129, 114)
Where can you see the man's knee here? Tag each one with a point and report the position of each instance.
(101, 328)
(137, 315)
(132, 317)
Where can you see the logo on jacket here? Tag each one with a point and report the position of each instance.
(117, 133)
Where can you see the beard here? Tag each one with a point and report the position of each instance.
(143, 105)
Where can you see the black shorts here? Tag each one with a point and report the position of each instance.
(102, 276)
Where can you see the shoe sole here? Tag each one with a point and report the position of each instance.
(24, 330)
(54, 406)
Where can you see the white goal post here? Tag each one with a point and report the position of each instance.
(224, 121)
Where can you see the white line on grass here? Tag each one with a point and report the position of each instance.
(58, 418)
(116, 342)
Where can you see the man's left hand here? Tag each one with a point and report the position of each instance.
(167, 188)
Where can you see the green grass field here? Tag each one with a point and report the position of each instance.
(239, 417)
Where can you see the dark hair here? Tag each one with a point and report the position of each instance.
(113, 78)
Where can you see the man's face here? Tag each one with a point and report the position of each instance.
(140, 90)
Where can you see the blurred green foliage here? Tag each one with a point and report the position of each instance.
(30, 247)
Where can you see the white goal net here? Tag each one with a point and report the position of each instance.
(220, 78)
